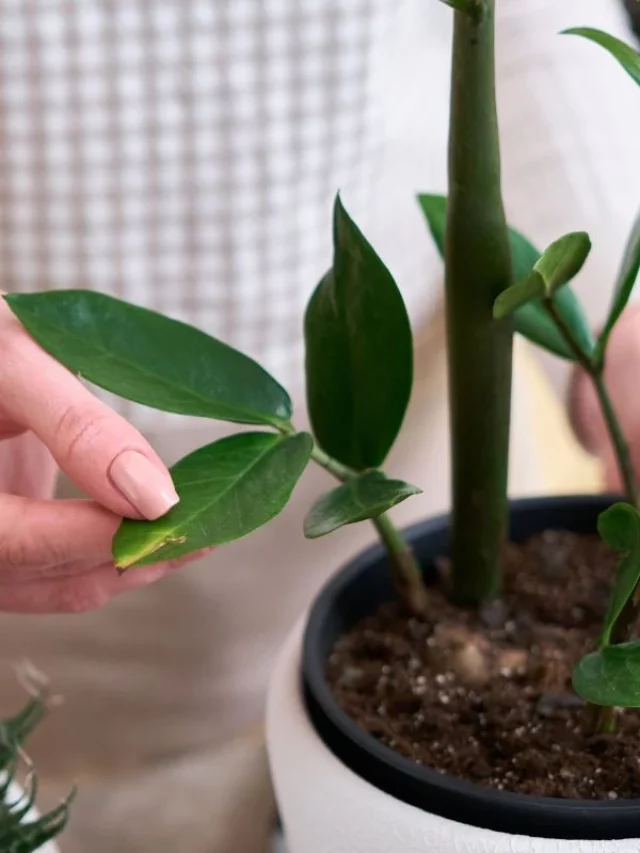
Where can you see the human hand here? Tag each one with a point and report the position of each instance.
(55, 556)
(622, 374)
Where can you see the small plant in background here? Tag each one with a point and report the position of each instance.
(20, 832)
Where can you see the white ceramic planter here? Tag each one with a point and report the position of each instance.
(326, 808)
(14, 794)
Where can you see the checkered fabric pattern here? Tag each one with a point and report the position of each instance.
(183, 154)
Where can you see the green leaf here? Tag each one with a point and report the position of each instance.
(531, 320)
(610, 676)
(434, 208)
(557, 265)
(366, 496)
(619, 527)
(624, 285)
(563, 260)
(626, 55)
(150, 359)
(227, 489)
(529, 289)
(359, 354)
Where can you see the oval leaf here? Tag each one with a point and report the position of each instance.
(563, 260)
(366, 496)
(611, 676)
(624, 286)
(626, 55)
(359, 354)
(531, 320)
(619, 527)
(150, 359)
(557, 265)
(227, 489)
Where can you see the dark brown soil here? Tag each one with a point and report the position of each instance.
(487, 697)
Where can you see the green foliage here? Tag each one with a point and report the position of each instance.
(18, 832)
(531, 320)
(619, 527)
(366, 496)
(227, 489)
(626, 55)
(359, 356)
(557, 266)
(151, 359)
(624, 286)
(610, 676)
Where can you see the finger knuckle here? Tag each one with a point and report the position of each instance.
(79, 598)
(76, 429)
(15, 551)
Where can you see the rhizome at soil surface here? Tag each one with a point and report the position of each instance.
(487, 696)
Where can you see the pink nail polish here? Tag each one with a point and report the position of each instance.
(150, 490)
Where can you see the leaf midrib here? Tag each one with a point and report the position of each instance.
(173, 385)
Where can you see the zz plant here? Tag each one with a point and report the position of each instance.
(359, 378)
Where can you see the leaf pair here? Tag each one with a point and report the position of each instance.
(226, 489)
(359, 369)
(531, 318)
(557, 266)
(611, 675)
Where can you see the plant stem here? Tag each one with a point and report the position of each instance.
(600, 719)
(621, 448)
(478, 268)
(405, 571)
(618, 440)
(403, 566)
(340, 472)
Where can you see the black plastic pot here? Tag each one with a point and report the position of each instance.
(354, 593)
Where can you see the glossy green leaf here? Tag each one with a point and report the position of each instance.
(626, 55)
(366, 496)
(610, 676)
(531, 320)
(624, 286)
(150, 359)
(227, 489)
(619, 527)
(557, 265)
(359, 354)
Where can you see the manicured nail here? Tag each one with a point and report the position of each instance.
(150, 490)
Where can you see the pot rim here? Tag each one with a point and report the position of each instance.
(330, 720)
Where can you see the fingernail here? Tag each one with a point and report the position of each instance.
(150, 490)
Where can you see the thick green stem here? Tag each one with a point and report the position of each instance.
(478, 268)
(403, 566)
